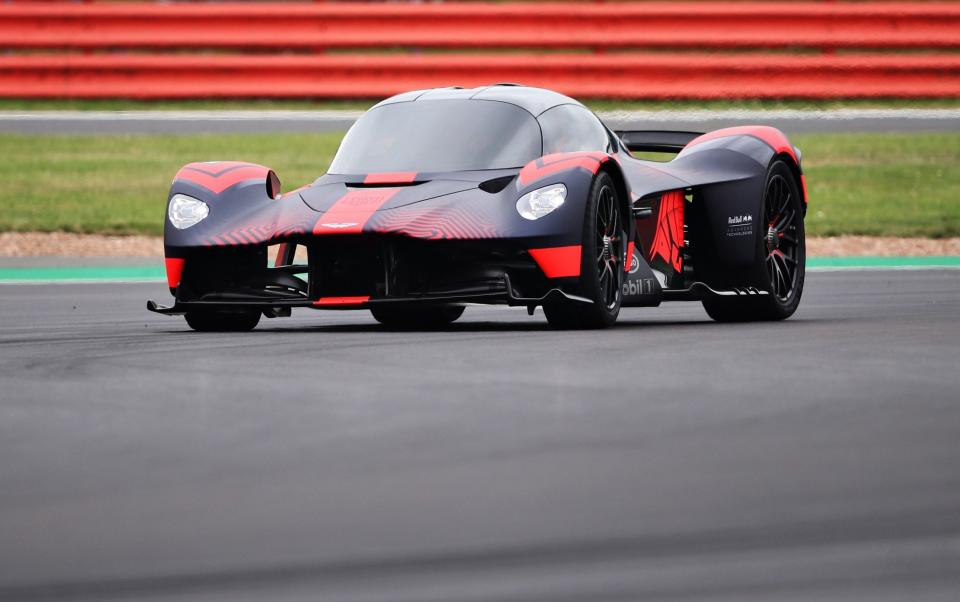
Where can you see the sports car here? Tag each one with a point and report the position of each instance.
(504, 194)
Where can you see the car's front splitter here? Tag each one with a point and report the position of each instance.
(505, 296)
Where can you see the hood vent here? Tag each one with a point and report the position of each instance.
(382, 184)
(496, 184)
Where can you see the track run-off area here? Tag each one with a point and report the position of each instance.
(323, 457)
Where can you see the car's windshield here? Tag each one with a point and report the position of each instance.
(439, 135)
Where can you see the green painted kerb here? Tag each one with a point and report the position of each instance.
(83, 273)
(152, 273)
(937, 261)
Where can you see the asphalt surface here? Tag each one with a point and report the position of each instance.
(323, 458)
(277, 121)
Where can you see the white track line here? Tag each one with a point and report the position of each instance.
(341, 115)
(783, 114)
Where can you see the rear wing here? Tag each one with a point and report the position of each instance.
(657, 141)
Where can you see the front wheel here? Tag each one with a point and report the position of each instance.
(223, 321)
(781, 252)
(603, 251)
(417, 317)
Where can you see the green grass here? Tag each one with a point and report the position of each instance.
(118, 184)
(882, 184)
(875, 184)
(597, 104)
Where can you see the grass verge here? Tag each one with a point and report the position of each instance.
(882, 184)
(869, 184)
(118, 184)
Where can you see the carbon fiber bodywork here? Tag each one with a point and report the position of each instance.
(457, 237)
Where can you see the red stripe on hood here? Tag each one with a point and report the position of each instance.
(349, 214)
(391, 177)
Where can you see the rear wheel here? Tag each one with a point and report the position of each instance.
(781, 248)
(223, 321)
(417, 318)
(601, 269)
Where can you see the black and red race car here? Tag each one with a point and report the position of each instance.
(503, 194)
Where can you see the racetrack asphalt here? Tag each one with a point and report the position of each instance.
(323, 458)
(276, 121)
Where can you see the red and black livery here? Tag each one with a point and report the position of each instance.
(502, 194)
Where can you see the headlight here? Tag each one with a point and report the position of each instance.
(537, 203)
(185, 211)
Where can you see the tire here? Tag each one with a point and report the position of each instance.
(603, 252)
(407, 318)
(223, 321)
(781, 253)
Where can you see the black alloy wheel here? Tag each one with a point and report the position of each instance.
(610, 249)
(782, 243)
(602, 256)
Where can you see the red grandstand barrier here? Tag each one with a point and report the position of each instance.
(91, 45)
(277, 26)
(614, 76)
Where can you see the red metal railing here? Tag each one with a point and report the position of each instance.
(632, 76)
(617, 25)
(717, 49)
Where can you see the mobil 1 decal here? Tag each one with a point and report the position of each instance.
(640, 287)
